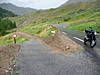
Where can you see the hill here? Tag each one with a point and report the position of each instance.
(6, 13)
(83, 15)
(78, 16)
(75, 1)
(17, 10)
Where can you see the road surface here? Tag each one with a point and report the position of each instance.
(78, 37)
(22, 24)
(35, 59)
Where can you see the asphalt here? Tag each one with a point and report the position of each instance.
(35, 59)
(79, 34)
(22, 24)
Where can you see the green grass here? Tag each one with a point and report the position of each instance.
(74, 14)
(8, 39)
(41, 30)
(77, 15)
(84, 26)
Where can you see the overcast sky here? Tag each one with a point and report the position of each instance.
(38, 4)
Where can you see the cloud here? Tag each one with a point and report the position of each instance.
(38, 4)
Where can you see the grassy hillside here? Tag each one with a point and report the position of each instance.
(9, 39)
(41, 30)
(79, 16)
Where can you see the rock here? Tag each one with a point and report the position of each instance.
(7, 71)
(11, 58)
(10, 69)
(14, 66)
(67, 48)
(64, 49)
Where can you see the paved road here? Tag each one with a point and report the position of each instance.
(78, 37)
(22, 24)
(35, 59)
(78, 34)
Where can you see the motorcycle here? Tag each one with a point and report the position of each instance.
(91, 36)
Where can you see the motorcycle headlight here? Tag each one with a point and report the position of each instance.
(95, 33)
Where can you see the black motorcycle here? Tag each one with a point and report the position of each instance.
(91, 36)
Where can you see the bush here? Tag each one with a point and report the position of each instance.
(67, 19)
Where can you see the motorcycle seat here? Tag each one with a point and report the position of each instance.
(87, 30)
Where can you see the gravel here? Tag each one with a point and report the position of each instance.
(35, 59)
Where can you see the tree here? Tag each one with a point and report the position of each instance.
(6, 25)
(14, 24)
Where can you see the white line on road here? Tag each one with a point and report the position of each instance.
(79, 39)
(64, 33)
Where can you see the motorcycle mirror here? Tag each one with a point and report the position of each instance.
(90, 27)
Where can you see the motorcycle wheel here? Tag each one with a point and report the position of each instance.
(91, 43)
(85, 40)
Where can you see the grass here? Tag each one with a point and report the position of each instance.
(75, 15)
(84, 26)
(41, 30)
(8, 39)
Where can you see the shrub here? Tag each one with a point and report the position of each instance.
(67, 19)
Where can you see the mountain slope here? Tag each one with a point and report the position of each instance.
(6, 13)
(79, 16)
(75, 1)
(17, 10)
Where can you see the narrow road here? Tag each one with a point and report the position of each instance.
(74, 34)
(35, 59)
(78, 37)
(22, 24)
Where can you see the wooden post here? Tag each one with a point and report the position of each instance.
(53, 37)
(53, 34)
(15, 40)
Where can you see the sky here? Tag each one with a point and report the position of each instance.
(37, 4)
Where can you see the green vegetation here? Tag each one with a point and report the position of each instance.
(84, 26)
(8, 39)
(78, 15)
(6, 13)
(52, 29)
(41, 30)
(6, 25)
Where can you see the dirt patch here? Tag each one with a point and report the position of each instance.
(63, 43)
(55, 51)
(7, 53)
